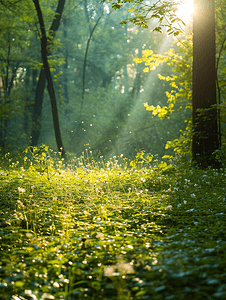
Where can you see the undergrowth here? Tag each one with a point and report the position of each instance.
(90, 229)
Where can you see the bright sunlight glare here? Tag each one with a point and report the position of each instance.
(185, 10)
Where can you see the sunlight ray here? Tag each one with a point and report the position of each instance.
(138, 112)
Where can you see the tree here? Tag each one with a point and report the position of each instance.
(44, 53)
(14, 59)
(205, 132)
(39, 93)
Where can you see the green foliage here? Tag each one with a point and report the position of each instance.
(180, 80)
(180, 94)
(40, 159)
(111, 119)
(141, 12)
(179, 98)
(90, 229)
(20, 60)
(114, 93)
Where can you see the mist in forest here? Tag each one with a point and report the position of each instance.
(100, 89)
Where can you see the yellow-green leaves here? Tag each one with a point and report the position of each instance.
(146, 70)
(158, 110)
(141, 159)
(180, 80)
(151, 60)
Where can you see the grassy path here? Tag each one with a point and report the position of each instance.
(112, 233)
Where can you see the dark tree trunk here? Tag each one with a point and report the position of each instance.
(205, 136)
(136, 85)
(65, 79)
(27, 103)
(37, 113)
(7, 84)
(44, 52)
(36, 118)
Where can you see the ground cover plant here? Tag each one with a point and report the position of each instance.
(89, 229)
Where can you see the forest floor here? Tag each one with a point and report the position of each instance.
(90, 230)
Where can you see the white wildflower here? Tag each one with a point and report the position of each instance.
(47, 296)
(125, 268)
(109, 271)
(100, 235)
(66, 280)
(21, 190)
(169, 207)
(56, 284)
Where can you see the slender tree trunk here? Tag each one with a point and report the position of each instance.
(85, 59)
(44, 52)
(37, 113)
(36, 118)
(65, 79)
(27, 104)
(7, 84)
(136, 85)
(205, 136)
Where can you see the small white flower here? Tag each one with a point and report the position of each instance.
(56, 284)
(66, 280)
(169, 207)
(100, 235)
(20, 203)
(109, 271)
(15, 297)
(21, 190)
(185, 202)
(47, 296)
(29, 235)
(125, 268)
(29, 293)
(130, 246)
(138, 192)
(193, 195)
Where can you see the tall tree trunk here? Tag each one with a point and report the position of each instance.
(84, 64)
(7, 85)
(27, 102)
(44, 52)
(65, 79)
(205, 136)
(37, 113)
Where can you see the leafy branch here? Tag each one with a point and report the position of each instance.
(142, 13)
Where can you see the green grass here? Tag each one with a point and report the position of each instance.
(103, 230)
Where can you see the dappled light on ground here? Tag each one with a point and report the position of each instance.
(111, 230)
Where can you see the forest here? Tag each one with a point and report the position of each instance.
(112, 149)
